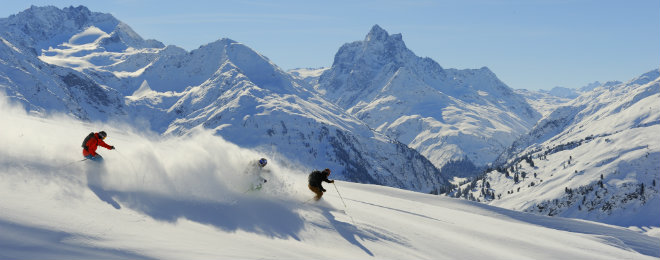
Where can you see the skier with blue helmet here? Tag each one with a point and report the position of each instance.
(256, 170)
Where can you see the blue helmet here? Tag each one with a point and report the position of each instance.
(263, 162)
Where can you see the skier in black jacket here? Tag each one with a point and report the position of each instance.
(315, 178)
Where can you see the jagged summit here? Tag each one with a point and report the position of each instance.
(381, 42)
(45, 22)
(376, 50)
(376, 33)
(79, 15)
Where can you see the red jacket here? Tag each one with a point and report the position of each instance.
(93, 143)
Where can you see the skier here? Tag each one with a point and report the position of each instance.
(315, 178)
(255, 170)
(91, 143)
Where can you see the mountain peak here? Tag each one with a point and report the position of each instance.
(646, 77)
(79, 10)
(376, 34)
(80, 15)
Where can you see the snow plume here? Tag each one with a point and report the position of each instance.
(145, 167)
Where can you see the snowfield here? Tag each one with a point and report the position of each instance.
(184, 198)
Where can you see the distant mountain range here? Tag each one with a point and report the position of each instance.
(570, 93)
(596, 157)
(380, 114)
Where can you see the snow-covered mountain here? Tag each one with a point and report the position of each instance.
(450, 116)
(545, 101)
(563, 92)
(541, 101)
(593, 85)
(112, 73)
(44, 27)
(45, 88)
(309, 76)
(181, 198)
(41, 86)
(596, 158)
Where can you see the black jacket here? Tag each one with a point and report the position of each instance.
(316, 177)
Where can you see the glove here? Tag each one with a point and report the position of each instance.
(323, 190)
(332, 181)
(112, 147)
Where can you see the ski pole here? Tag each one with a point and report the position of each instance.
(131, 164)
(72, 163)
(342, 201)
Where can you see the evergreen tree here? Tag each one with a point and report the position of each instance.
(530, 161)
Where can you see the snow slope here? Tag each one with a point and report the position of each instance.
(173, 198)
(596, 158)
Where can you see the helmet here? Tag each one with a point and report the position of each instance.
(102, 134)
(263, 162)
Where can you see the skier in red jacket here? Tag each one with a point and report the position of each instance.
(91, 143)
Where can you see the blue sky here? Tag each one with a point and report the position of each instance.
(532, 44)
